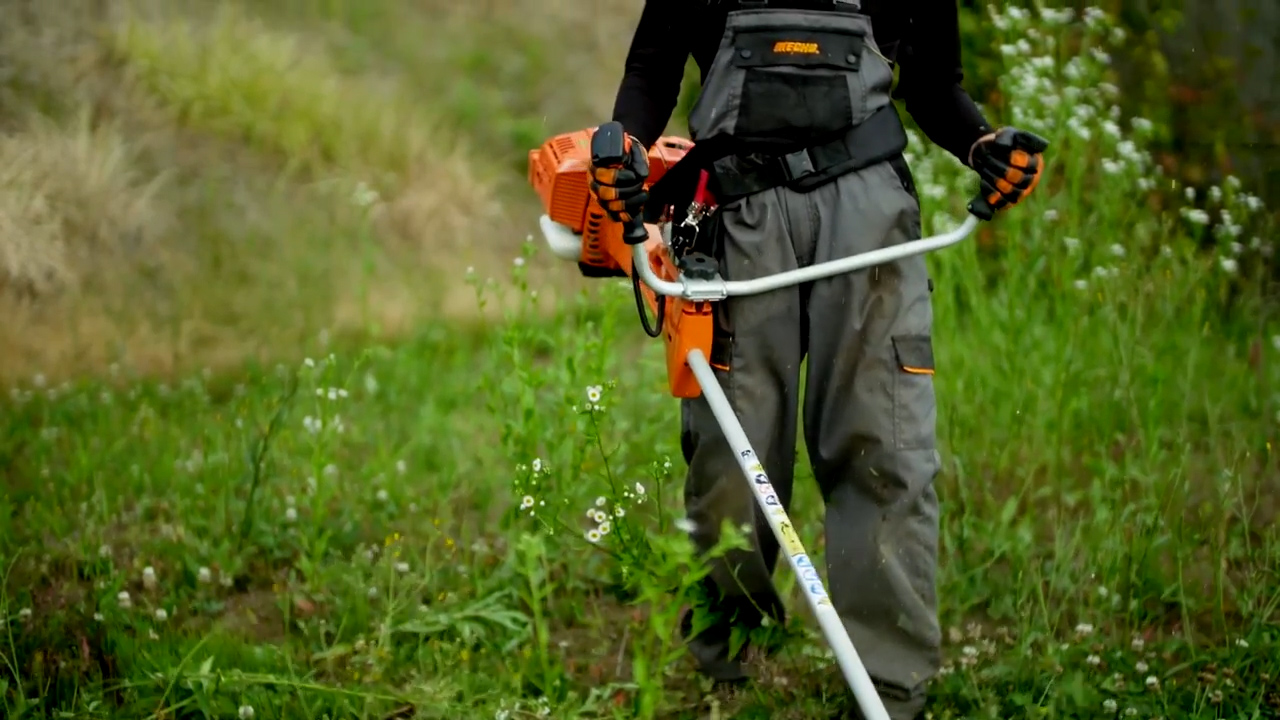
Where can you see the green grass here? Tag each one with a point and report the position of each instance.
(338, 530)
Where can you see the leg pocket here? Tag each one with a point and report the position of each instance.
(915, 409)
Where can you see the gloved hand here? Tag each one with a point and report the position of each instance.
(1009, 162)
(621, 189)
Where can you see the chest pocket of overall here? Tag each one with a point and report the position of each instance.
(784, 82)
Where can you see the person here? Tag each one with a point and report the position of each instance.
(796, 128)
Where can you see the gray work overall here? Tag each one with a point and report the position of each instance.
(784, 78)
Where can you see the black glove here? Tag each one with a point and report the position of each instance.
(1009, 163)
(620, 190)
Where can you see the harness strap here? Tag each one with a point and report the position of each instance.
(880, 137)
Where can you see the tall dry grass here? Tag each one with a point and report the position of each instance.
(195, 182)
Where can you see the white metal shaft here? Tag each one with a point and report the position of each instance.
(815, 592)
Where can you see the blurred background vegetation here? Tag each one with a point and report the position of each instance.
(163, 182)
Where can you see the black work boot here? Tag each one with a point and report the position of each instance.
(710, 650)
(711, 647)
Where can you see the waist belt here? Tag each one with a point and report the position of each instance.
(880, 137)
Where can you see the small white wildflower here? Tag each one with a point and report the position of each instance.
(1190, 193)
(149, 577)
(1140, 667)
(970, 651)
(526, 502)
(1215, 194)
(1130, 711)
(1137, 644)
(1153, 682)
(1118, 250)
(1084, 629)
(402, 567)
(1093, 660)
(518, 262)
(1229, 265)
(593, 535)
(204, 576)
(604, 528)
(600, 501)
(246, 712)
(619, 512)
(686, 525)
(123, 598)
(1081, 284)
(372, 592)
(1109, 705)
(1242, 642)
(593, 393)
(382, 495)
(598, 516)
(537, 465)
(1050, 215)
(639, 489)
(290, 514)
(98, 617)
(24, 613)
(161, 614)
(104, 551)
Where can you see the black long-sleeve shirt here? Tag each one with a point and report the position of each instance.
(921, 36)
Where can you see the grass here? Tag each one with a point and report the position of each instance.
(307, 493)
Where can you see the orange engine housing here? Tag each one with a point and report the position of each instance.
(559, 172)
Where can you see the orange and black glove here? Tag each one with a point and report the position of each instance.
(620, 187)
(1009, 162)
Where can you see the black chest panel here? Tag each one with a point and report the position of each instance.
(706, 22)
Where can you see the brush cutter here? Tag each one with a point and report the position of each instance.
(679, 288)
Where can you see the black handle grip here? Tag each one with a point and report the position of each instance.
(611, 148)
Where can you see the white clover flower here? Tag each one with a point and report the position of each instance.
(204, 576)
(1081, 284)
(1084, 629)
(1109, 705)
(1196, 216)
(402, 567)
(1137, 644)
(1093, 660)
(1153, 682)
(161, 614)
(149, 577)
(1242, 642)
(1229, 265)
(124, 600)
(1142, 125)
(1051, 215)
(24, 613)
(246, 712)
(1118, 250)
(290, 514)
